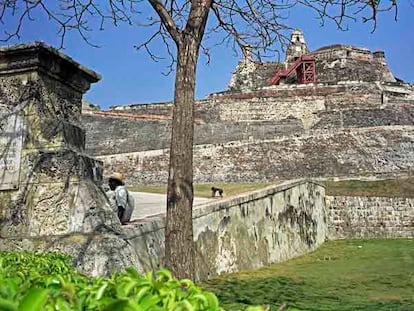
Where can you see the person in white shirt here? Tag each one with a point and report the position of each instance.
(124, 210)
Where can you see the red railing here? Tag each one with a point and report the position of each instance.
(304, 67)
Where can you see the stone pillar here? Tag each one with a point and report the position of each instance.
(50, 197)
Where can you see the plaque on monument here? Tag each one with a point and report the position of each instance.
(11, 138)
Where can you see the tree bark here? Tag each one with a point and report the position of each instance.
(179, 252)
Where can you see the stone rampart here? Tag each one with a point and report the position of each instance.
(215, 107)
(244, 232)
(370, 217)
(114, 135)
(353, 152)
(266, 114)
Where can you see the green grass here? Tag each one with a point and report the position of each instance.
(204, 190)
(341, 275)
(402, 187)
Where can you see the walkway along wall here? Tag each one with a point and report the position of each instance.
(244, 232)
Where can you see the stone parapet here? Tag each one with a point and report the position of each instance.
(244, 232)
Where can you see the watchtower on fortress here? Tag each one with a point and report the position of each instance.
(297, 46)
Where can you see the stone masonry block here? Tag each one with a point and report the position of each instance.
(52, 134)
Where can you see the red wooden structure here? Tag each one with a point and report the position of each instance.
(304, 67)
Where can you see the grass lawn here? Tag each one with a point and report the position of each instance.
(204, 190)
(402, 187)
(341, 275)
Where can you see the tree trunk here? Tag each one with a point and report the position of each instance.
(179, 253)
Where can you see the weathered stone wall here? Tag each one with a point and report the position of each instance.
(113, 135)
(285, 111)
(348, 63)
(266, 104)
(244, 232)
(56, 203)
(370, 217)
(250, 75)
(354, 152)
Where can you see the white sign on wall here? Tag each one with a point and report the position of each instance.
(11, 139)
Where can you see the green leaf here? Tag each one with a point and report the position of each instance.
(141, 293)
(62, 305)
(34, 300)
(201, 297)
(186, 305)
(6, 305)
(133, 272)
(149, 302)
(212, 299)
(129, 286)
(101, 291)
(165, 275)
(120, 305)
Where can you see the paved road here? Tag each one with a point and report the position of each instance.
(149, 204)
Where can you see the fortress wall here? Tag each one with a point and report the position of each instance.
(243, 232)
(212, 108)
(370, 217)
(366, 151)
(341, 51)
(348, 63)
(347, 69)
(161, 109)
(229, 117)
(110, 135)
(363, 118)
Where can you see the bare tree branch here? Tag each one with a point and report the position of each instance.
(166, 19)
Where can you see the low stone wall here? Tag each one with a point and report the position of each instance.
(244, 232)
(370, 217)
(356, 152)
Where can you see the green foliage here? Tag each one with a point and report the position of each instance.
(37, 282)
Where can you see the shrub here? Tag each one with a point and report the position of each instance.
(34, 282)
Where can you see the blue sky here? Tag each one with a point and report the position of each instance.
(130, 76)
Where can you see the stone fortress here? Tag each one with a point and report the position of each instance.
(356, 119)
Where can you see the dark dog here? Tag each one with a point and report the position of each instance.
(214, 190)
